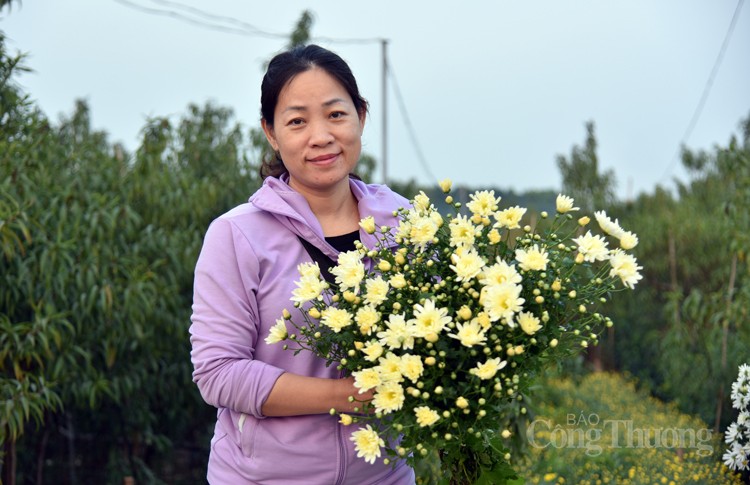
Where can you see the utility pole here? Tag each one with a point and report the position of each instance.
(384, 48)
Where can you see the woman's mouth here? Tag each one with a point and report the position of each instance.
(324, 158)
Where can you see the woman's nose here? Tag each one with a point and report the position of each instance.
(320, 134)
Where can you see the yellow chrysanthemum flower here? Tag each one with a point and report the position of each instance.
(397, 281)
(389, 368)
(625, 266)
(467, 263)
(608, 225)
(309, 270)
(367, 317)
(389, 397)
(308, 288)
(564, 204)
(349, 270)
(277, 333)
(488, 369)
(422, 231)
(367, 443)
(529, 323)
(366, 379)
(510, 218)
(463, 231)
(593, 247)
(628, 240)
(399, 333)
(336, 318)
(483, 203)
(376, 291)
(502, 301)
(429, 319)
(532, 259)
(426, 416)
(421, 202)
(411, 367)
(469, 333)
(498, 273)
(373, 350)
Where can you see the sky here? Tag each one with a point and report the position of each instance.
(490, 92)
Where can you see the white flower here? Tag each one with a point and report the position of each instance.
(483, 203)
(426, 416)
(400, 334)
(607, 225)
(564, 204)
(532, 259)
(367, 443)
(308, 288)
(467, 263)
(529, 323)
(733, 433)
(429, 319)
(336, 318)
(368, 224)
(421, 202)
(502, 301)
(422, 231)
(411, 367)
(366, 379)
(389, 397)
(510, 218)
(366, 317)
(625, 266)
(349, 271)
(488, 369)
(376, 291)
(308, 270)
(498, 273)
(592, 247)
(628, 240)
(469, 334)
(277, 333)
(463, 231)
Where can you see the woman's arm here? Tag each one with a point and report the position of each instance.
(293, 395)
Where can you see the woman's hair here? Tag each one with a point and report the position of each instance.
(282, 69)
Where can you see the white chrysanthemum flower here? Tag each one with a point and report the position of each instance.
(463, 231)
(429, 319)
(366, 379)
(467, 263)
(498, 273)
(404, 229)
(510, 218)
(422, 202)
(610, 227)
(308, 288)
(529, 323)
(277, 333)
(398, 281)
(426, 416)
(411, 367)
(483, 203)
(366, 317)
(625, 266)
(532, 259)
(389, 368)
(502, 301)
(336, 318)
(469, 333)
(368, 224)
(488, 369)
(367, 443)
(373, 350)
(399, 333)
(349, 271)
(592, 247)
(389, 397)
(422, 231)
(376, 291)
(628, 240)
(564, 204)
(309, 270)
(733, 433)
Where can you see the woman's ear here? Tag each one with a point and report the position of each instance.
(268, 130)
(362, 119)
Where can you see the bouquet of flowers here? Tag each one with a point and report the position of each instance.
(451, 316)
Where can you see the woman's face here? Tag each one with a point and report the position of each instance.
(317, 131)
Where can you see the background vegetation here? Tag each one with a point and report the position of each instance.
(97, 248)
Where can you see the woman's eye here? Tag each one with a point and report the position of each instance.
(337, 114)
(296, 122)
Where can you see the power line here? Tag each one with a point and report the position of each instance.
(409, 127)
(706, 90)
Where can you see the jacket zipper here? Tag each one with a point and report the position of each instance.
(342, 456)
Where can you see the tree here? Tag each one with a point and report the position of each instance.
(582, 179)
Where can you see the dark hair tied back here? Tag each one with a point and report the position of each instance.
(282, 69)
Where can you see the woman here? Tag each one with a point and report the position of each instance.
(273, 424)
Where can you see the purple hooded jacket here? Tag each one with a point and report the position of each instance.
(244, 278)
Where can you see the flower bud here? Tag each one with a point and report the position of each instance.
(445, 185)
(384, 265)
(462, 403)
(314, 312)
(368, 224)
(583, 221)
(286, 314)
(346, 420)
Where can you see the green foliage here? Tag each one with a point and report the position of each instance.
(604, 429)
